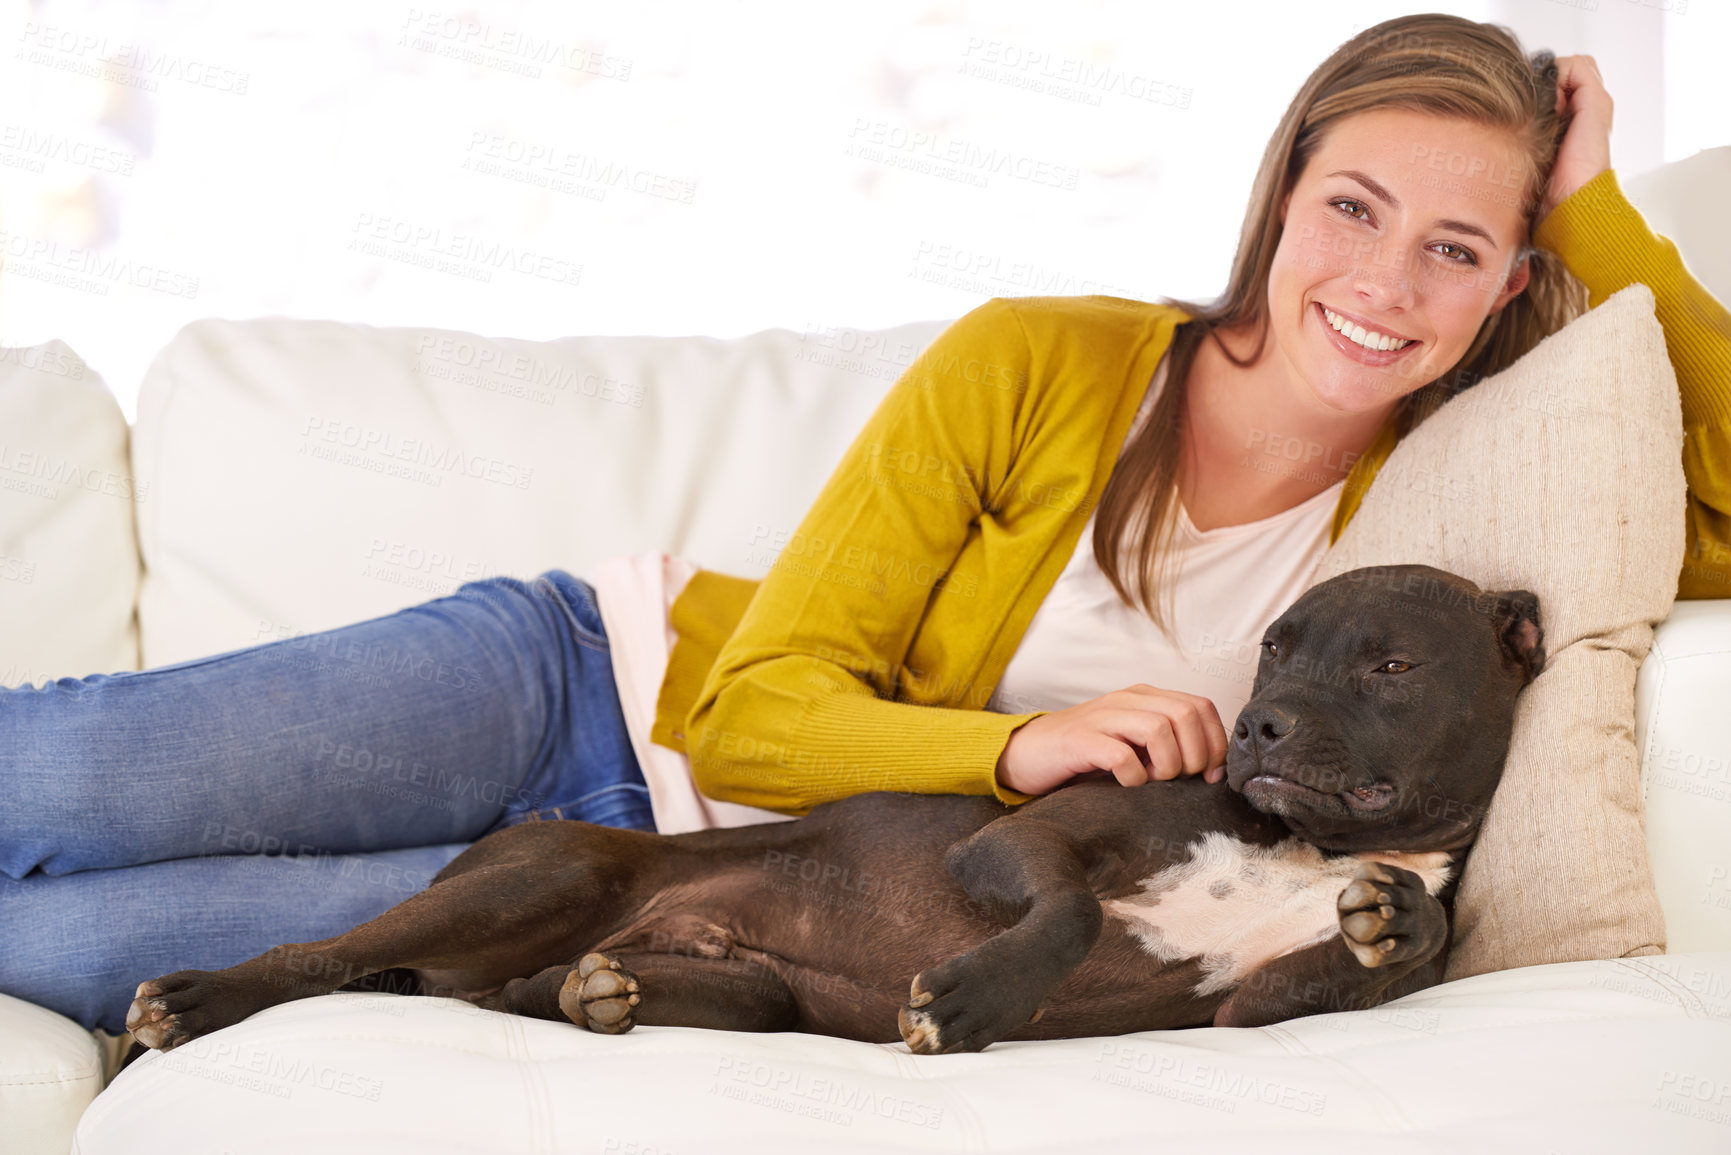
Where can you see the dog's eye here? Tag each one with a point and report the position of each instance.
(1404, 666)
(1273, 650)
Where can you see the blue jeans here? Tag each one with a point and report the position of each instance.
(198, 814)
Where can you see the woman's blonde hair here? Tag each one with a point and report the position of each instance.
(1430, 63)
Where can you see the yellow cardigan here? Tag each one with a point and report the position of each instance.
(912, 578)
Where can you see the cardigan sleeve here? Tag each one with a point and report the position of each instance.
(1605, 242)
(798, 708)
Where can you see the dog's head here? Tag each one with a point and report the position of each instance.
(1383, 706)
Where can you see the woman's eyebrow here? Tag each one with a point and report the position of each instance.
(1377, 190)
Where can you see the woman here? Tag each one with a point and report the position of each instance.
(288, 792)
(1401, 196)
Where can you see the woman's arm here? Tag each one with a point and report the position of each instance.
(1607, 245)
(864, 659)
(798, 707)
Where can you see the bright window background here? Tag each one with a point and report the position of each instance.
(545, 169)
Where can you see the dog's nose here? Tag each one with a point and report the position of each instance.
(1260, 728)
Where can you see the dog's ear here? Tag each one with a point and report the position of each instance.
(1515, 614)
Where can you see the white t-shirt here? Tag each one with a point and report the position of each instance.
(1232, 582)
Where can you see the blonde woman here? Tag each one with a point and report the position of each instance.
(1108, 536)
(1050, 552)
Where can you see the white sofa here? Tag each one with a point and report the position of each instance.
(287, 476)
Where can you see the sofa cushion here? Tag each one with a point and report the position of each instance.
(1561, 475)
(1489, 1063)
(68, 555)
(307, 474)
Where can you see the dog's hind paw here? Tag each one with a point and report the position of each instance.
(601, 995)
(953, 1007)
(179, 1007)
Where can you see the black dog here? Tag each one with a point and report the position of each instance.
(1313, 879)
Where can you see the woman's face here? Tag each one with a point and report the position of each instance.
(1406, 224)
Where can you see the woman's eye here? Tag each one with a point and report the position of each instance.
(1460, 256)
(1466, 257)
(1404, 666)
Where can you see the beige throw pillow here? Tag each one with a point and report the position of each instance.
(1561, 475)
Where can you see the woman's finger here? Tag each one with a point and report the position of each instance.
(1121, 761)
(1199, 730)
(1168, 753)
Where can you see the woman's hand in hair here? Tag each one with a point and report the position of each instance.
(1135, 734)
(1586, 147)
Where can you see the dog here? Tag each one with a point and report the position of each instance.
(1317, 877)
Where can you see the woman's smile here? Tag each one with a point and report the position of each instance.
(1360, 342)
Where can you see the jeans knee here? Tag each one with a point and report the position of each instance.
(582, 606)
(498, 590)
(554, 595)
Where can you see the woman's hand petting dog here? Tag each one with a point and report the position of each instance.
(1137, 734)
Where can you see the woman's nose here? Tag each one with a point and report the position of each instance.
(1385, 281)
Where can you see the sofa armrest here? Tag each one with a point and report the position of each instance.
(1682, 696)
(50, 1071)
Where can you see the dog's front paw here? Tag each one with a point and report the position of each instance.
(601, 995)
(181, 1006)
(1386, 916)
(951, 1007)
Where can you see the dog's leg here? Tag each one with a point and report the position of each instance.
(612, 992)
(528, 895)
(1032, 877)
(1392, 942)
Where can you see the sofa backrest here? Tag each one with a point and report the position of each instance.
(306, 474)
(1685, 201)
(68, 558)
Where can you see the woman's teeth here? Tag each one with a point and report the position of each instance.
(1358, 335)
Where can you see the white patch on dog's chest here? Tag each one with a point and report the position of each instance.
(1236, 906)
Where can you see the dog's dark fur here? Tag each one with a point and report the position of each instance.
(1379, 721)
